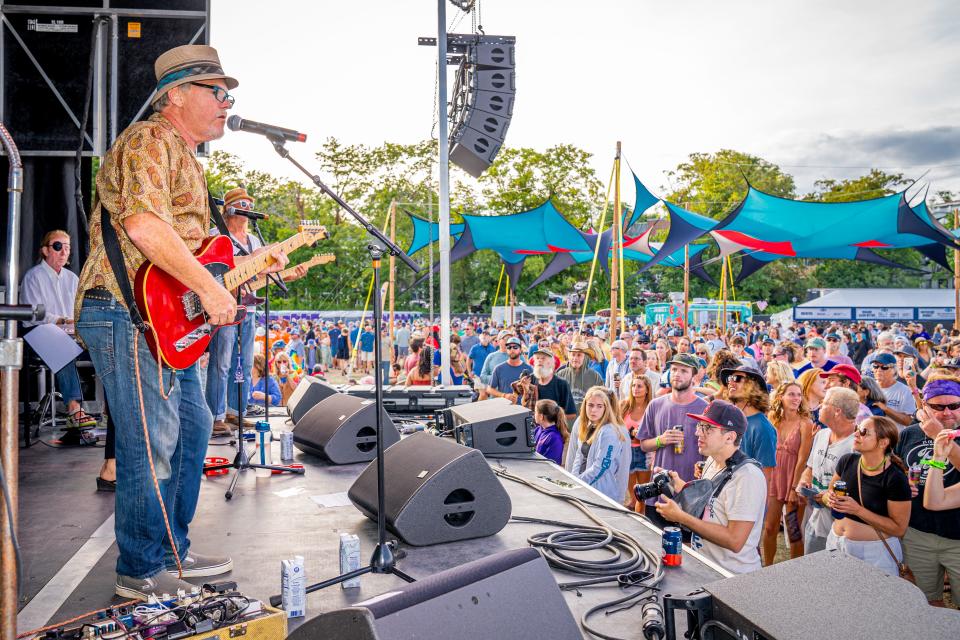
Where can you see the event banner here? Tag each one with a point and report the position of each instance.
(822, 313)
(884, 313)
(934, 313)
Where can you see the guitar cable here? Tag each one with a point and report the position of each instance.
(146, 437)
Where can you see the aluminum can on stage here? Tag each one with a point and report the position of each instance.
(672, 547)
(286, 445)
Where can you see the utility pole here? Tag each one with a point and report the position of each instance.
(956, 274)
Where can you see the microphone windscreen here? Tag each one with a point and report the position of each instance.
(234, 123)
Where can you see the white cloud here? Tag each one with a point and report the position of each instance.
(799, 82)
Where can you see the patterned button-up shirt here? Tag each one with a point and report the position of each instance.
(149, 169)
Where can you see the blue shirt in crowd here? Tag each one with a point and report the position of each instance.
(760, 440)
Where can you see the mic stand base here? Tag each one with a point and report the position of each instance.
(383, 559)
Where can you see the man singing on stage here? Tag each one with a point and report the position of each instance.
(155, 197)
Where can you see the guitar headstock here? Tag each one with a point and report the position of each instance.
(312, 231)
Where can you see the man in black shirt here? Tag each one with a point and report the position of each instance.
(931, 545)
(550, 387)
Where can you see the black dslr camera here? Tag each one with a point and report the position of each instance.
(659, 485)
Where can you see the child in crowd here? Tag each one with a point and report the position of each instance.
(551, 433)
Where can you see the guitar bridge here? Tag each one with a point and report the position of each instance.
(191, 305)
(188, 340)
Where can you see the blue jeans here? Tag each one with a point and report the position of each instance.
(179, 430)
(68, 383)
(221, 389)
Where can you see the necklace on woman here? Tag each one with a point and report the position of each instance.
(876, 468)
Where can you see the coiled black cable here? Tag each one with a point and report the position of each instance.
(626, 556)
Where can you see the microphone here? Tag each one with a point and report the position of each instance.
(246, 213)
(236, 123)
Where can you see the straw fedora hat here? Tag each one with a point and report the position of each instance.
(189, 63)
(234, 195)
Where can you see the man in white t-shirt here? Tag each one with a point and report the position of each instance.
(900, 404)
(838, 412)
(638, 367)
(729, 530)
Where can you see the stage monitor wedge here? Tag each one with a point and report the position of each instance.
(435, 491)
(493, 426)
(342, 429)
(308, 393)
(486, 599)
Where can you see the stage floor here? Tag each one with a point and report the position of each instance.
(69, 553)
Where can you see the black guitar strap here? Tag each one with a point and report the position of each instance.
(111, 243)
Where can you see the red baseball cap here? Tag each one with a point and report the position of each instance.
(845, 370)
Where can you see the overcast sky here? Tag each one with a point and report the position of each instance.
(822, 88)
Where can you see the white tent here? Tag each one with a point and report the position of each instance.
(925, 305)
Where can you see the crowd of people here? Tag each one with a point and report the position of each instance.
(842, 436)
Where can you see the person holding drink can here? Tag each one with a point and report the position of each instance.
(656, 432)
(872, 510)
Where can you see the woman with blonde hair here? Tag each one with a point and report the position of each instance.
(795, 429)
(777, 373)
(602, 458)
(653, 361)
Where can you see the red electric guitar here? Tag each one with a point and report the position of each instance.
(181, 332)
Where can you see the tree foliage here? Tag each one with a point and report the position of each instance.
(371, 178)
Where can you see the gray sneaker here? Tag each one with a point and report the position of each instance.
(197, 565)
(158, 585)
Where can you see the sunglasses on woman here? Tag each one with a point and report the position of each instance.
(863, 431)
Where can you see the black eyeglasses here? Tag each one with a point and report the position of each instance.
(58, 246)
(953, 406)
(513, 346)
(863, 431)
(736, 377)
(833, 339)
(219, 93)
(881, 366)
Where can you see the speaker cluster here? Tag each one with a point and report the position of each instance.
(482, 105)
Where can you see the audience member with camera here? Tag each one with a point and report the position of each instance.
(728, 531)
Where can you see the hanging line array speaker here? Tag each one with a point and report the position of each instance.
(483, 97)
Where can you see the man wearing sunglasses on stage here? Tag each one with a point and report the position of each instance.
(931, 545)
(54, 286)
(151, 191)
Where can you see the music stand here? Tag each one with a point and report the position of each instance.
(383, 559)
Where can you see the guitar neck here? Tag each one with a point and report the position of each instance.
(238, 275)
(261, 280)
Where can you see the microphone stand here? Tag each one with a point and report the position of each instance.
(383, 559)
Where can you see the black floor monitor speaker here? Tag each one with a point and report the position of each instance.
(752, 604)
(511, 594)
(342, 429)
(436, 491)
(493, 426)
(308, 393)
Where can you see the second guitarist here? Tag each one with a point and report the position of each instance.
(221, 379)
